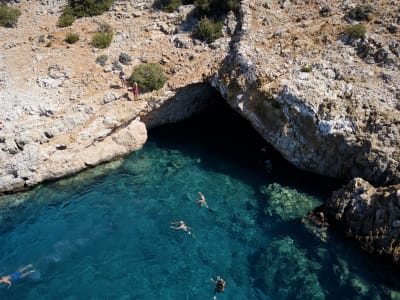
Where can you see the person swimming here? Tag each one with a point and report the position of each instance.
(202, 201)
(219, 285)
(21, 273)
(182, 226)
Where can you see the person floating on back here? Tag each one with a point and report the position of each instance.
(122, 78)
(202, 201)
(21, 273)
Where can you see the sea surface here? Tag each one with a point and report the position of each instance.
(106, 233)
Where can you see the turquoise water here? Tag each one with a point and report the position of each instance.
(108, 236)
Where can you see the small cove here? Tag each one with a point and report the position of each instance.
(109, 237)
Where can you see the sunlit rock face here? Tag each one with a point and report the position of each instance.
(311, 93)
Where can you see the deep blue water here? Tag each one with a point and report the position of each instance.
(108, 236)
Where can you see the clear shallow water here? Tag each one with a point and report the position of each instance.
(109, 237)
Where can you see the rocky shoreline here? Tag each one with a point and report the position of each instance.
(329, 104)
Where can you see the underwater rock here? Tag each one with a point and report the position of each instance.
(285, 266)
(287, 203)
(316, 223)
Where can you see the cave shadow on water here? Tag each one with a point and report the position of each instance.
(226, 135)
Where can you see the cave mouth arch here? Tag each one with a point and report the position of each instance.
(223, 131)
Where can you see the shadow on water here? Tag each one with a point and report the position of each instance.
(227, 135)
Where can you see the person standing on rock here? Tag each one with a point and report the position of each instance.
(135, 90)
(122, 78)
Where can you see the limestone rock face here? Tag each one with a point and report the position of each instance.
(63, 109)
(369, 215)
(327, 102)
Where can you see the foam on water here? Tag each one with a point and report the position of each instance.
(109, 236)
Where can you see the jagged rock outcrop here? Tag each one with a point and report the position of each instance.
(326, 104)
(369, 215)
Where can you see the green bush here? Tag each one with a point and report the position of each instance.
(216, 7)
(102, 39)
(87, 8)
(9, 16)
(102, 60)
(66, 19)
(306, 69)
(82, 8)
(360, 13)
(149, 76)
(209, 8)
(170, 5)
(208, 30)
(356, 31)
(72, 37)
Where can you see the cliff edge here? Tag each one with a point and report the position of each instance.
(329, 102)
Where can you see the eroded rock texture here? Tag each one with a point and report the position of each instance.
(369, 215)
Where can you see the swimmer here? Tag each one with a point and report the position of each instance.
(182, 226)
(202, 201)
(219, 285)
(21, 273)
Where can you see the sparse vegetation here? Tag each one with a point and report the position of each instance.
(169, 5)
(102, 60)
(209, 8)
(216, 7)
(208, 30)
(67, 18)
(149, 76)
(360, 13)
(104, 27)
(103, 38)
(82, 8)
(356, 31)
(72, 37)
(87, 8)
(306, 69)
(49, 44)
(9, 16)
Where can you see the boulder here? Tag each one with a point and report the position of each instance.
(369, 215)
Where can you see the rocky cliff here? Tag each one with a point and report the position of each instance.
(328, 102)
(62, 112)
